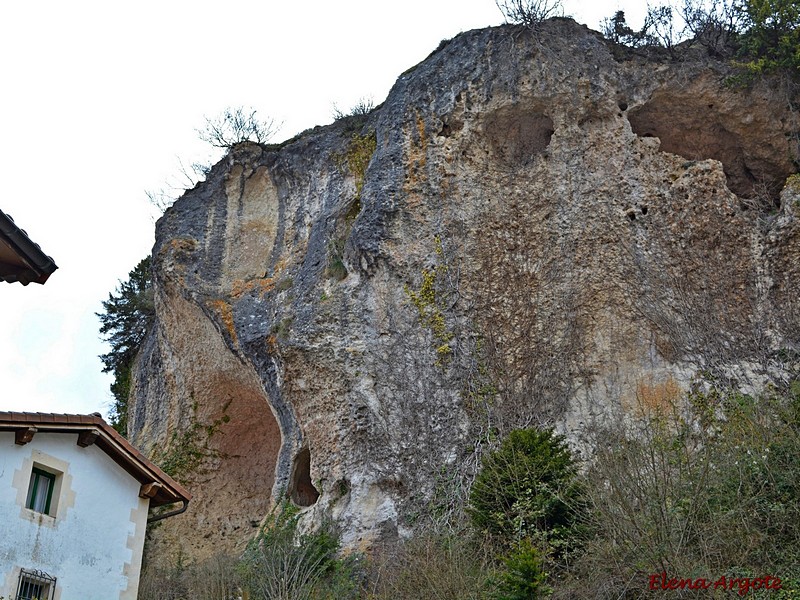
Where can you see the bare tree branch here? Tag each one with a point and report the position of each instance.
(236, 125)
(529, 12)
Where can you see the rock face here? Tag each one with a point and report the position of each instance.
(528, 231)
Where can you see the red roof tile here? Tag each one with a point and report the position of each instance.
(110, 441)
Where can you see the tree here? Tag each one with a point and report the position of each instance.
(715, 25)
(618, 31)
(765, 32)
(527, 488)
(658, 29)
(232, 126)
(528, 12)
(126, 318)
(771, 41)
(236, 125)
(659, 20)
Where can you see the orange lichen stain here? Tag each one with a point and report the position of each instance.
(445, 184)
(419, 151)
(657, 398)
(182, 245)
(178, 248)
(258, 225)
(413, 201)
(239, 287)
(417, 154)
(265, 285)
(272, 343)
(225, 312)
(423, 141)
(261, 284)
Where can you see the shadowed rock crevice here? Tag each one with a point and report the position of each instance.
(301, 490)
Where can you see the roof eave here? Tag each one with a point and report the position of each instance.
(38, 266)
(111, 442)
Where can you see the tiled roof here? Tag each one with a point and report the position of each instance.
(21, 260)
(108, 440)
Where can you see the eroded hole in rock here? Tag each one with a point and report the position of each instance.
(451, 126)
(694, 129)
(517, 134)
(301, 490)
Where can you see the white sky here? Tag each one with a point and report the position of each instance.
(97, 101)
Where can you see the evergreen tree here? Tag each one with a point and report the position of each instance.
(772, 38)
(127, 317)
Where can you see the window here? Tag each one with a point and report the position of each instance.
(35, 585)
(40, 491)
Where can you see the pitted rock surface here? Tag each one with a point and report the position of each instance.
(544, 234)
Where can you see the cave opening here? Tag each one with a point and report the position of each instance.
(301, 490)
(696, 130)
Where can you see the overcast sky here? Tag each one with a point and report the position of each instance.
(100, 100)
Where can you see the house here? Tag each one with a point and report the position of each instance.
(21, 260)
(74, 502)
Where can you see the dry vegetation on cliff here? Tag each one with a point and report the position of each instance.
(676, 491)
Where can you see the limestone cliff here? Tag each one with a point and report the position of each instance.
(530, 229)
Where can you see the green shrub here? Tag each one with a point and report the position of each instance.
(362, 108)
(763, 34)
(282, 564)
(617, 30)
(336, 268)
(527, 489)
(771, 41)
(703, 487)
(158, 583)
(216, 578)
(357, 158)
(523, 576)
(279, 564)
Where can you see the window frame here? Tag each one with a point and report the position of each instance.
(36, 475)
(31, 577)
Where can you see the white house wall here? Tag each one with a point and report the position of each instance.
(93, 543)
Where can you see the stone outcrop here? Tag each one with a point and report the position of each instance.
(528, 230)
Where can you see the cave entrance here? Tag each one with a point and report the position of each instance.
(756, 161)
(301, 491)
